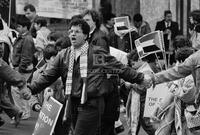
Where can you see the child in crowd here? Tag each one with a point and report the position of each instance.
(56, 89)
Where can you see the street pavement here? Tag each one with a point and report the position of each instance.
(26, 127)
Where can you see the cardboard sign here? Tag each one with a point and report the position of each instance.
(150, 43)
(119, 55)
(122, 23)
(153, 97)
(47, 117)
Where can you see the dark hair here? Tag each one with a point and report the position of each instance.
(95, 17)
(41, 21)
(167, 12)
(31, 7)
(82, 24)
(54, 35)
(181, 41)
(79, 16)
(195, 15)
(22, 20)
(49, 51)
(107, 17)
(137, 17)
(183, 53)
(63, 42)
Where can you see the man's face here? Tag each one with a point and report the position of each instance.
(168, 17)
(76, 36)
(137, 24)
(19, 29)
(30, 15)
(89, 20)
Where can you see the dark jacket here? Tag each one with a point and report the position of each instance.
(23, 53)
(7, 74)
(174, 29)
(99, 63)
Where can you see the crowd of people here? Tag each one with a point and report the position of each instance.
(93, 86)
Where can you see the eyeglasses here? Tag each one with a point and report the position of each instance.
(75, 31)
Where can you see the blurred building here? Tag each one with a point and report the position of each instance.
(152, 10)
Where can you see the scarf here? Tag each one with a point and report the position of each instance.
(83, 71)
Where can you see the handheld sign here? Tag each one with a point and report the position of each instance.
(122, 23)
(149, 43)
(47, 117)
(119, 55)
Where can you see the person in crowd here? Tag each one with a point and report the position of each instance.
(30, 13)
(179, 102)
(22, 60)
(194, 28)
(42, 34)
(9, 76)
(99, 38)
(14, 78)
(170, 31)
(85, 102)
(108, 23)
(56, 89)
(137, 95)
(141, 25)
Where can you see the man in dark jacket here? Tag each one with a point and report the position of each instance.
(83, 70)
(170, 31)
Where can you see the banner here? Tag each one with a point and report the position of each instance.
(153, 97)
(150, 43)
(56, 8)
(47, 117)
(119, 55)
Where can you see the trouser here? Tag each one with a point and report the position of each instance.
(86, 118)
(62, 128)
(107, 127)
(21, 103)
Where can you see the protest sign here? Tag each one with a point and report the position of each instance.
(119, 55)
(122, 23)
(149, 44)
(153, 97)
(56, 8)
(47, 117)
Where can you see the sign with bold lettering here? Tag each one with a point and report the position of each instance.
(153, 97)
(56, 8)
(47, 117)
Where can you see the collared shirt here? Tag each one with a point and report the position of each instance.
(167, 24)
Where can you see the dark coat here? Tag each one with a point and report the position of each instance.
(23, 53)
(174, 29)
(99, 64)
(7, 74)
